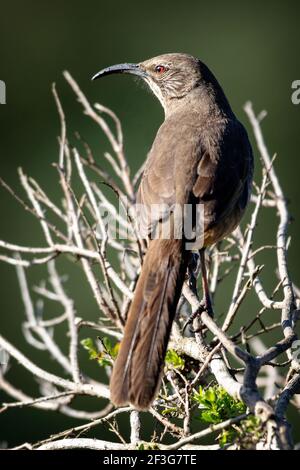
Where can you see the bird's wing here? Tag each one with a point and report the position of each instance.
(193, 168)
(169, 172)
(224, 177)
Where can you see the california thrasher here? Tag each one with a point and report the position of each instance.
(201, 155)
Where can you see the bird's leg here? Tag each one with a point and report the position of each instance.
(206, 300)
(192, 272)
(205, 304)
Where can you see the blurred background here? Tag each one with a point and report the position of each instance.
(253, 49)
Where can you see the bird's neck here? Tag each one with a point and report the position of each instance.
(208, 100)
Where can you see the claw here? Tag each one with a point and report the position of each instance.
(205, 304)
(192, 318)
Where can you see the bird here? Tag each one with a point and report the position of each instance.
(201, 157)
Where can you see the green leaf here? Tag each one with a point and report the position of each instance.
(168, 411)
(173, 360)
(210, 395)
(106, 343)
(88, 344)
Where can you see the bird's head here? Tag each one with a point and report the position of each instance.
(170, 76)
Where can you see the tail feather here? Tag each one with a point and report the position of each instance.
(137, 370)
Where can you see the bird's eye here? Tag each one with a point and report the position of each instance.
(160, 69)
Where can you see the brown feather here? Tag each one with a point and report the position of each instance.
(136, 374)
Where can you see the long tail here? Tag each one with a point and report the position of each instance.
(137, 370)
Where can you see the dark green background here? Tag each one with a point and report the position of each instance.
(252, 47)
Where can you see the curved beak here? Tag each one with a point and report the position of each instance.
(134, 69)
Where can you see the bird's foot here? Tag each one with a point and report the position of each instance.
(203, 307)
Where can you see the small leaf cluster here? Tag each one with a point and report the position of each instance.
(216, 405)
(104, 355)
(173, 360)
